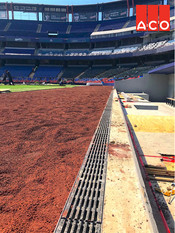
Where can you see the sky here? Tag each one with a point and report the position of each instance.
(32, 16)
(61, 2)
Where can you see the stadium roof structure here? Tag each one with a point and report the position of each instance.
(102, 6)
(110, 10)
(165, 69)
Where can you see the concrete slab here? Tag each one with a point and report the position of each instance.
(163, 109)
(124, 209)
(153, 132)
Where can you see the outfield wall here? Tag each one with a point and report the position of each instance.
(157, 86)
(171, 88)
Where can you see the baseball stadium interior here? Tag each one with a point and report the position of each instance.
(80, 44)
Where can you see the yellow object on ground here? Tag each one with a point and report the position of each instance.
(139, 97)
(169, 166)
(154, 124)
(4, 90)
(121, 96)
(167, 193)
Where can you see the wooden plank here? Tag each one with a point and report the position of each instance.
(156, 167)
(158, 178)
(162, 175)
(170, 99)
(160, 172)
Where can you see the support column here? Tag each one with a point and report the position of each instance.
(67, 11)
(133, 7)
(72, 13)
(42, 16)
(12, 10)
(128, 8)
(37, 15)
(6, 5)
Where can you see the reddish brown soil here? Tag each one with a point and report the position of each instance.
(119, 150)
(44, 136)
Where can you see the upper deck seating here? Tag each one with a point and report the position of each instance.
(101, 51)
(132, 23)
(111, 25)
(172, 12)
(125, 50)
(76, 52)
(19, 51)
(169, 45)
(153, 45)
(23, 25)
(170, 42)
(3, 24)
(50, 52)
(54, 27)
(87, 27)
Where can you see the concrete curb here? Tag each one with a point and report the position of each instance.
(156, 222)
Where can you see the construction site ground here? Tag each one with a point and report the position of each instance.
(153, 132)
(124, 210)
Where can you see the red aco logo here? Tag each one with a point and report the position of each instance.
(152, 18)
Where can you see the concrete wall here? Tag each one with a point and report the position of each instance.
(171, 88)
(155, 85)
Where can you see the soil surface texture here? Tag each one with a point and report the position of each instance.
(44, 136)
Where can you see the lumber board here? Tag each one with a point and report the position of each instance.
(156, 167)
(160, 172)
(158, 178)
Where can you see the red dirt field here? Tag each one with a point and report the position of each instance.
(44, 136)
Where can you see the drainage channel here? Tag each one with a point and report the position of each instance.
(83, 211)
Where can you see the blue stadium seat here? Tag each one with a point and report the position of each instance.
(43, 73)
(17, 71)
(29, 51)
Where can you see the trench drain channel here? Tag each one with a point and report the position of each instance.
(83, 211)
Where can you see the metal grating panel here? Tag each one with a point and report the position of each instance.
(83, 210)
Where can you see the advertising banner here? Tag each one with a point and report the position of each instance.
(54, 17)
(3, 14)
(2, 7)
(85, 16)
(24, 8)
(55, 9)
(153, 2)
(114, 14)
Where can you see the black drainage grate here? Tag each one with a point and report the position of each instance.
(83, 210)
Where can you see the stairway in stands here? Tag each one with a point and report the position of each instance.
(7, 27)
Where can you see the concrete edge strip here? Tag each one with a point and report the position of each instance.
(149, 199)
